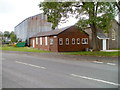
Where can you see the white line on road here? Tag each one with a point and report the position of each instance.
(97, 62)
(111, 64)
(98, 80)
(30, 65)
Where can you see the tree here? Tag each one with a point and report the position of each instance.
(118, 5)
(98, 15)
(1, 34)
(6, 34)
(13, 37)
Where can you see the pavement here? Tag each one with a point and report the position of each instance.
(110, 50)
(68, 57)
(52, 70)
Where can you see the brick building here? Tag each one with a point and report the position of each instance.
(65, 39)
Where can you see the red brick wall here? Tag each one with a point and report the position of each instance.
(72, 33)
(54, 46)
(43, 46)
(31, 42)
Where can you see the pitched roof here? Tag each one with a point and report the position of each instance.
(102, 36)
(52, 32)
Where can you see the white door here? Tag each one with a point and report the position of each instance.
(33, 43)
(104, 44)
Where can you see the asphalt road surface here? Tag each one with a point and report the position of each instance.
(42, 71)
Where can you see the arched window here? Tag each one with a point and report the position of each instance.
(67, 41)
(78, 40)
(84, 40)
(60, 41)
(113, 34)
(73, 41)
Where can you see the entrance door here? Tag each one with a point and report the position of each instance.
(104, 44)
(33, 43)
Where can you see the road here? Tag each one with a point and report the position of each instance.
(41, 71)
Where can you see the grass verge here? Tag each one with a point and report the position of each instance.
(28, 49)
(97, 53)
(23, 49)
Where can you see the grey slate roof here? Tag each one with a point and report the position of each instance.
(52, 32)
(102, 36)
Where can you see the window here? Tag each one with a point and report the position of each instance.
(78, 40)
(60, 41)
(73, 41)
(67, 41)
(84, 40)
(46, 41)
(51, 41)
(40, 40)
(36, 40)
(113, 34)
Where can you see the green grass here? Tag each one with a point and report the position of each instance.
(23, 49)
(97, 53)
(27, 49)
(116, 49)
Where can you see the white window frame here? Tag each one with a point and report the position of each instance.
(36, 41)
(85, 41)
(67, 40)
(61, 40)
(73, 39)
(51, 41)
(40, 40)
(78, 40)
(113, 34)
(46, 41)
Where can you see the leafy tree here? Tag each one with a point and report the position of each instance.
(7, 34)
(1, 34)
(13, 37)
(118, 5)
(98, 15)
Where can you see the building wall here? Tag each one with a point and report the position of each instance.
(54, 46)
(114, 43)
(43, 46)
(21, 31)
(110, 43)
(72, 33)
(88, 30)
(49, 47)
(37, 45)
(31, 26)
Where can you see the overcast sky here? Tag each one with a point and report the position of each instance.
(12, 12)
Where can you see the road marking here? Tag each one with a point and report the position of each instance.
(97, 62)
(98, 80)
(30, 65)
(111, 64)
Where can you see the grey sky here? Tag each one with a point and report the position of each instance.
(12, 12)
